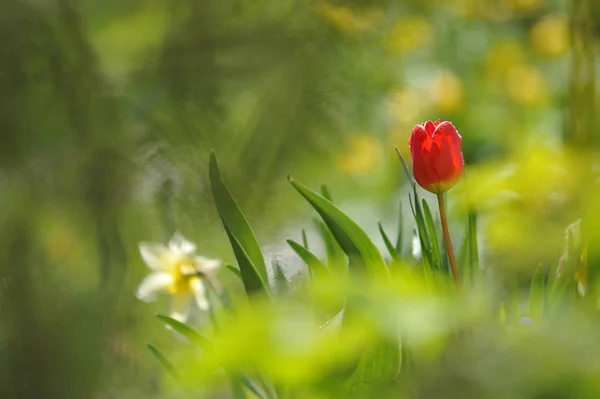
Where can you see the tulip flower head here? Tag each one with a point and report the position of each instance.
(178, 271)
(437, 161)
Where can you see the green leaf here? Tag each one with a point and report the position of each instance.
(473, 247)
(314, 264)
(537, 295)
(399, 237)
(326, 193)
(393, 253)
(463, 258)
(409, 175)
(243, 241)
(353, 240)
(304, 239)
(422, 232)
(380, 363)
(336, 258)
(163, 360)
(234, 270)
(185, 330)
(436, 257)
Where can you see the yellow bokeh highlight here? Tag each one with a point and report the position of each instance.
(550, 36)
(362, 156)
(447, 92)
(503, 56)
(347, 20)
(409, 34)
(524, 5)
(526, 85)
(407, 106)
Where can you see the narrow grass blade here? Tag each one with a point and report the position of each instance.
(304, 239)
(422, 231)
(163, 360)
(314, 264)
(391, 249)
(400, 230)
(463, 261)
(409, 175)
(436, 257)
(185, 330)
(235, 271)
(242, 238)
(473, 247)
(326, 193)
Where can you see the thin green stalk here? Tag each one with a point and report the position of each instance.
(447, 241)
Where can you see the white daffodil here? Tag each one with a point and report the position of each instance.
(178, 271)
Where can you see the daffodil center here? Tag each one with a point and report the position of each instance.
(182, 273)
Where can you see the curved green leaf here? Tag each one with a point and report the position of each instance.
(314, 264)
(353, 240)
(243, 241)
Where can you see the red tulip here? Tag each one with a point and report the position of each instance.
(437, 161)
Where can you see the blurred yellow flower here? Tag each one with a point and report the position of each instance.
(550, 36)
(447, 91)
(526, 85)
(409, 34)
(363, 155)
(346, 20)
(178, 271)
(503, 56)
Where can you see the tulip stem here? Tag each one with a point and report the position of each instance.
(447, 241)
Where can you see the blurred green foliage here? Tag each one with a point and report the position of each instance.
(109, 111)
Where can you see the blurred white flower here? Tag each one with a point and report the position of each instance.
(178, 271)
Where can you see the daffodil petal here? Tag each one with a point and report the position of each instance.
(156, 256)
(180, 245)
(199, 291)
(180, 306)
(206, 264)
(154, 284)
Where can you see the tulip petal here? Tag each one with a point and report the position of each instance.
(155, 255)
(180, 306)
(448, 161)
(180, 245)
(429, 127)
(199, 291)
(154, 284)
